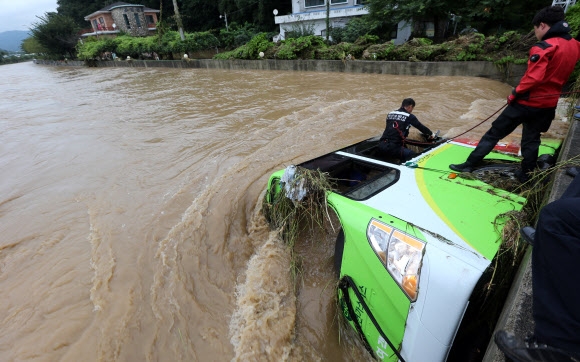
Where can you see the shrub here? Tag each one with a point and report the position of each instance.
(353, 30)
(302, 48)
(90, 49)
(299, 30)
(237, 35)
(136, 47)
(250, 50)
(573, 18)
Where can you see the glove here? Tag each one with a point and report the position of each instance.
(510, 99)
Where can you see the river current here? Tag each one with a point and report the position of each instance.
(130, 224)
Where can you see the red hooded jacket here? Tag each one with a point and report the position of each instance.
(551, 62)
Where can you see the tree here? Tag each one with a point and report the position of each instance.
(78, 9)
(498, 16)
(57, 34)
(201, 15)
(396, 11)
(259, 12)
(178, 19)
(573, 17)
(487, 16)
(31, 46)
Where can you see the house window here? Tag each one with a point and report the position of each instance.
(309, 3)
(102, 20)
(150, 19)
(95, 24)
(338, 1)
(127, 23)
(137, 20)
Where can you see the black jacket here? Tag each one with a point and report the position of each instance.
(398, 124)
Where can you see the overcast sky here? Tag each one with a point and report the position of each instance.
(20, 14)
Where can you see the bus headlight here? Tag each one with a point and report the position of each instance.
(401, 254)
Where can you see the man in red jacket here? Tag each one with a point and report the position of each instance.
(533, 102)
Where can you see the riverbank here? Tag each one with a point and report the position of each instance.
(509, 74)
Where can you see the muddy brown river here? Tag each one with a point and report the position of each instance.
(130, 224)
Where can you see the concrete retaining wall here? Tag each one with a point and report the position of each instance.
(510, 74)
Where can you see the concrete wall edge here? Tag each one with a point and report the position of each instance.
(510, 74)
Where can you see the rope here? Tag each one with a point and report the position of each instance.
(479, 124)
(403, 138)
(493, 114)
(502, 107)
(346, 282)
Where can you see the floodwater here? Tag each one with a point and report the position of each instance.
(130, 224)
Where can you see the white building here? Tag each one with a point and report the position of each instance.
(312, 13)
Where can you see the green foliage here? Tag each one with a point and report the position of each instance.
(394, 11)
(251, 50)
(142, 47)
(508, 48)
(422, 41)
(329, 53)
(380, 51)
(57, 34)
(130, 46)
(299, 30)
(78, 9)
(505, 60)
(573, 18)
(354, 29)
(237, 35)
(367, 40)
(232, 54)
(90, 48)
(31, 45)
(465, 56)
(301, 48)
(196, 15)
(259, 43)
(172, 42)
(487, 16)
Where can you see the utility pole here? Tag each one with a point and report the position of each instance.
(225, 16)
(564, 3)
(327, 20)
(178, 19)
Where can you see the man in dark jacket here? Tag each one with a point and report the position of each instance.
(392, 142)
(533, 102)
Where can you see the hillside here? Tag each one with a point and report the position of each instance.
(11, 40)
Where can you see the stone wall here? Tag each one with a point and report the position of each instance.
(509, 74)
(134, 28)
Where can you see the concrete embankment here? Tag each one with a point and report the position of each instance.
(510, 74)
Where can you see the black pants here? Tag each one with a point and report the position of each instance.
(391, 150)
(556, 272)
(534, 120)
